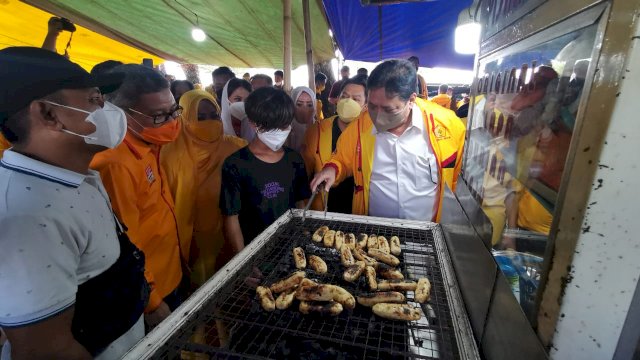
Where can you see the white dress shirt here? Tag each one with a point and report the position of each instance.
(404, 179)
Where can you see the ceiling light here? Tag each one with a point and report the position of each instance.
(467, 38)
(198, 35)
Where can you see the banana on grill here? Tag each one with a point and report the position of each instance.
(394, 244)
(380, 297)
(384, 257)
(329, 238)
(299, 258)
(266, 298)
(390, 273)
(361, 255)
(326, 292)
(288, 283)
(338, 240)
(402, 312)
(423, 290)
(396, 285)
(285, 299)
(370, 274)
(372, 241)
(383, 245)
(353, 272)
(317, 264)
(331, 308)
(350, 241)
(362, 241)
(318, 235)
(346, 257)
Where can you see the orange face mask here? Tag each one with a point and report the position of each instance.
(206, 130)
(161, 135)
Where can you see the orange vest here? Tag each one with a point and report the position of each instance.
(355, 151)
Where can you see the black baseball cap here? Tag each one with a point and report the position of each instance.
(30, 73)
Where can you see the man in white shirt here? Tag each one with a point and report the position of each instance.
(401, 151)
(72, 283)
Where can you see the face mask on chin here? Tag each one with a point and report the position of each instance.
(274, 139)
(384, 121)
(110, 122)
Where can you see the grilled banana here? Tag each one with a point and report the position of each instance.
(396, 285)
(285, 299)
(317, 264)
(331, 308)
(359, 254)
(383, 245)
(423, 290)
(329, 238)
(288, 283)
(338, 240)
(350, 241)
(346, 257)
(362, 241)
(380, 297)
(370, 274)
(307, 282)
(372, 241)
(384, 257)
(395, 245)
(299, 258)
(326, 292)
(390, 273)
(266, 298)
(319, 234)
(397, 311)
(353, 272)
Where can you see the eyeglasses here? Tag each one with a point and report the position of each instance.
(162, 118)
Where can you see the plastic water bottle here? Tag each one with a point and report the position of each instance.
(509, 271)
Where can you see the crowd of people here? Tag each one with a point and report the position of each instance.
(124, 193)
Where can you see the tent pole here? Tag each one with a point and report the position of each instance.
(308, 42)
(286, 22)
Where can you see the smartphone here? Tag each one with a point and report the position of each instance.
(147, 62)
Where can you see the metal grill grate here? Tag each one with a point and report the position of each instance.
(233, 325)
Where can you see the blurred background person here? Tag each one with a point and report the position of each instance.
(443, 98)
(221, 77)
(179, 87)
(278, 77)
(322, 137)
(260, 80)
(334, 94)
(421, 88)
(236, 90)
(304, 100)
(321, 83)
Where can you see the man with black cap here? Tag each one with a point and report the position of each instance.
(72, 283)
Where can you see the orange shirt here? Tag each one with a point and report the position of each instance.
(141, 198)
(443, 100)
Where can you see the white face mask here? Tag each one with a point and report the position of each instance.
(274, 139)
(110, 122)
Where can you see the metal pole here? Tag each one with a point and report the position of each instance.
(308, 42)
(286, 22)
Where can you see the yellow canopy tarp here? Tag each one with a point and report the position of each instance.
(25, 25)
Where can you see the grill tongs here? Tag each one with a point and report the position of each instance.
(325, 200)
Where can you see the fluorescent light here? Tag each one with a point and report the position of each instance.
(467, 38)
(198, 35)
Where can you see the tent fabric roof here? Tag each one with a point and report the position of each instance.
(24, 25)
(423, 29)
(241, 33)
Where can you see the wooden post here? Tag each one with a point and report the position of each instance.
(286, 22)
(308, 42)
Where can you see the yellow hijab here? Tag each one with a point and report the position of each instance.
(193, 165)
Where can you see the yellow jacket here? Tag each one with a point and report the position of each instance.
(319, 141)
(193, 168)
(354, 153)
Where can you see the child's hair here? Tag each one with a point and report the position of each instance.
(269, 109)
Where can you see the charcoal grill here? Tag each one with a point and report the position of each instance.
(224, 320)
